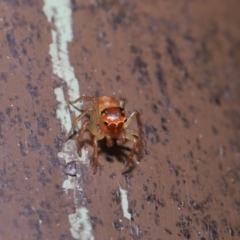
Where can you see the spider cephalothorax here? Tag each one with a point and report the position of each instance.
(108, 120)
(113, 118)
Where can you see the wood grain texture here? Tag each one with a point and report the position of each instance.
(177, 63)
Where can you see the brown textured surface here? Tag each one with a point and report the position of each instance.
(178, 64)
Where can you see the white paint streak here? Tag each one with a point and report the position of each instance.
(62, 110)
(79, 221)
(124, 201)
(68, 184)
(69, 153)
(59, 13)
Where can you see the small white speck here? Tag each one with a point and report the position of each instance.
(124, 201)
(221, 151)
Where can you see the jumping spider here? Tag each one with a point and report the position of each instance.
(107, 120)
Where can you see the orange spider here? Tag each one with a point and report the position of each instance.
(107, 119)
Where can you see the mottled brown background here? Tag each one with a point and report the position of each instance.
(177, 62)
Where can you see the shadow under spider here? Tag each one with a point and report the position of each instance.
(121, 153)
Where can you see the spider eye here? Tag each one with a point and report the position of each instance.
(106, 123)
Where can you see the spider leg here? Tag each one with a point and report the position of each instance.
(95, 155)
(130, 118)
(77, 120)
(135, 133)
(121, 140)
(132, 132)
(109, 141)
(83, 98)
(80, 135)
(131, 137)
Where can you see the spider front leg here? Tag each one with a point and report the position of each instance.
(84, 98)
(95, 155)
(109, 141)
(134, 133)
(122, 139)
(80, 136)
(77, 120)
(130, 135)
(130, 118)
